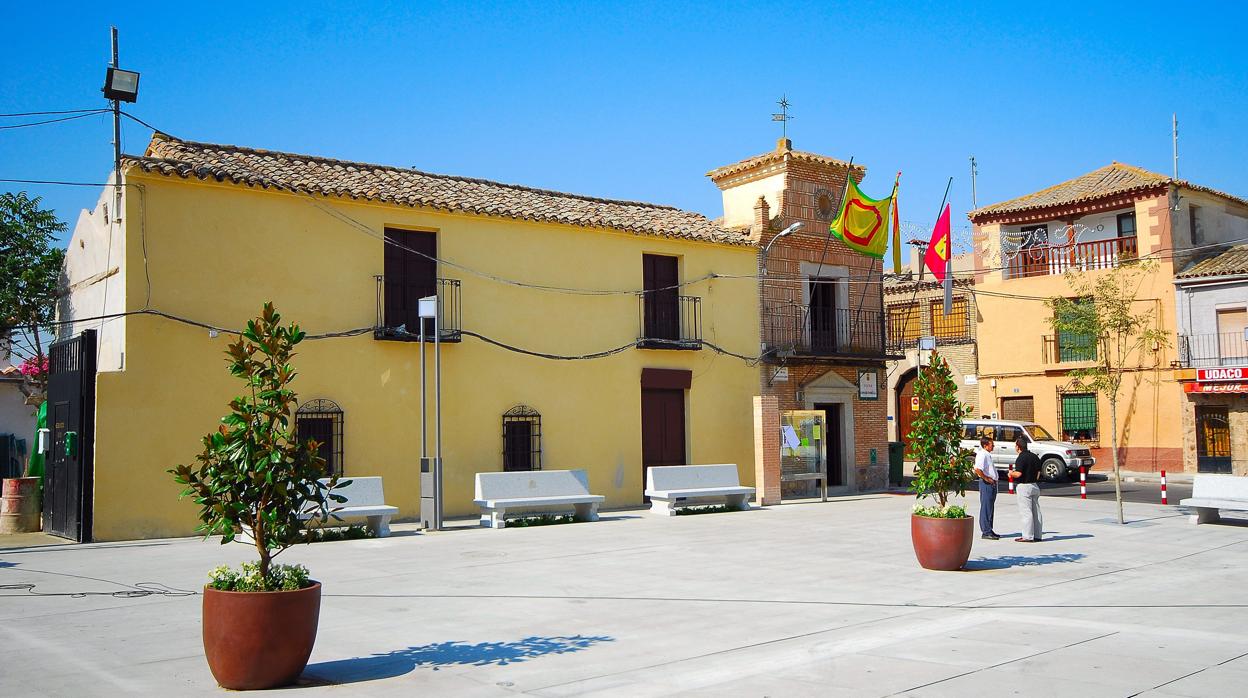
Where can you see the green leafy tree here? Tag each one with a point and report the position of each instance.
(942, 466)
(30, 273)
(1105, 314)
(254, 479)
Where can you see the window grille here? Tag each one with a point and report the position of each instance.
(1079, 417)
(321, 420)
(955, 325)
(522, 439)
(905, 324)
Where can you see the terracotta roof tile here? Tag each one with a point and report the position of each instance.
(1113, 179)
(778, 155)
(1231, 262)
(173, 157)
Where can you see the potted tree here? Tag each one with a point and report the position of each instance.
(942, 534)
(255, 484)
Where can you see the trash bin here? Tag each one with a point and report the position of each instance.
(896, 461)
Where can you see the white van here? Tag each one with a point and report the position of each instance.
(1058, 459)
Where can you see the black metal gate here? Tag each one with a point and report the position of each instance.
(70, 465)
(1213, 439)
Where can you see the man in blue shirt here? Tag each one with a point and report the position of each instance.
(987, 474)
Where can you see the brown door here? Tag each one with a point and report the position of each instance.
(662, 428)
(410, 274)
(1018, 409)
(660, 279)
(905, 411)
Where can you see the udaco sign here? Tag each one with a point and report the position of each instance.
(1209, 375)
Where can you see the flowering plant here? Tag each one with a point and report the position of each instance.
(34, 367)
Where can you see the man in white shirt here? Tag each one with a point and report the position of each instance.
(987, 474)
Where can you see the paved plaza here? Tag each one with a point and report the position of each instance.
(794, 600)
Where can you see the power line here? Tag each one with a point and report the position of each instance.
(45, 113)
(53, 121)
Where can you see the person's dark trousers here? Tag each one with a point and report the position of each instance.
(987, 502)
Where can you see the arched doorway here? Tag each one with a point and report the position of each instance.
(904, 409)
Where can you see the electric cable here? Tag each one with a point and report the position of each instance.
(57, 111)
(53, 121)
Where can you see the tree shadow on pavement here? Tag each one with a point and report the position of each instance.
(1007, 561)
(444, 654)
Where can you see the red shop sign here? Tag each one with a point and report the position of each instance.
(1238, 373)
(1215, 388)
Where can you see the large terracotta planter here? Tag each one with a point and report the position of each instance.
(942, 544)
(259, 639)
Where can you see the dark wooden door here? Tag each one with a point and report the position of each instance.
(69, 466)
(905, 409)
(833, 441)
(662, 428)
(1018, 409)
(411, 273)
(1213, 439)
(660, 278)
(823, 316)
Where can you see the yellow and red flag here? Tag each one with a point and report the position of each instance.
(937, 256)
(862, 223)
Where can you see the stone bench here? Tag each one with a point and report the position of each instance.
(546, 490)
(364, 500)
(1213, 492)
(672, 486)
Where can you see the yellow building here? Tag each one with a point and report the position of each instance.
(1087, 225)
(553, 357)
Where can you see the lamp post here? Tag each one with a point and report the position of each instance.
(431, 506)
(119, 86)
(767, 248)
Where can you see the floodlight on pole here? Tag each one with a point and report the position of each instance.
(121, 85)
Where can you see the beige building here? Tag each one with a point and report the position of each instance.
(1088, 225)
(914, 308)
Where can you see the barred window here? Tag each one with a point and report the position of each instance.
(955, 325)
(522, 439)
(321, 420)
(1079, 418)
(905, 324)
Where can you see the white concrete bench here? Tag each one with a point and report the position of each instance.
(364, 500)
(1213, 492)
(671, 486)
(498, 493)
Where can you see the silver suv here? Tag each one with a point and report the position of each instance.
(1058, 459)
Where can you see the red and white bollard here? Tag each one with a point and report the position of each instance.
(1011, 484)
(1163, 487)
(1083, 482)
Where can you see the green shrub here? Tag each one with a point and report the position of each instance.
(942, 466)
(249, 578)
(540, 520)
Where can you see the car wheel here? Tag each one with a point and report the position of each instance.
(1053, 470)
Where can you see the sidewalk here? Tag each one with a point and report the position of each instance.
(794, 600)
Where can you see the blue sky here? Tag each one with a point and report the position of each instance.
(638, 101)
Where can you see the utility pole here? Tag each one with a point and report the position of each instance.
(1174, 130)
(116, 138)
(974, 173)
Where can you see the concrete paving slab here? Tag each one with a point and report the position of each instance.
(825, 597)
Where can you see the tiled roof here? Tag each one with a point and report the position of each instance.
(1231, 262)
(172, 157)
(777, 155)
(1113, 179)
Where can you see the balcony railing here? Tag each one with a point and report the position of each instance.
(398, 316)
(790, 329)
(669, 321)
(1046, 260)
(1213, 350)
(1068, 349)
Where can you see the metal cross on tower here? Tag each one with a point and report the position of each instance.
(783, 117)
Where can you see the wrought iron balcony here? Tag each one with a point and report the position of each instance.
(1046, 260)
(398, 316)
(1068, 349)
(669, 321)
(792, 330)
(1213, 350)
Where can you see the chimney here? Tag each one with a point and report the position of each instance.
(916, 260)
(762, 217)
(783, 144)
